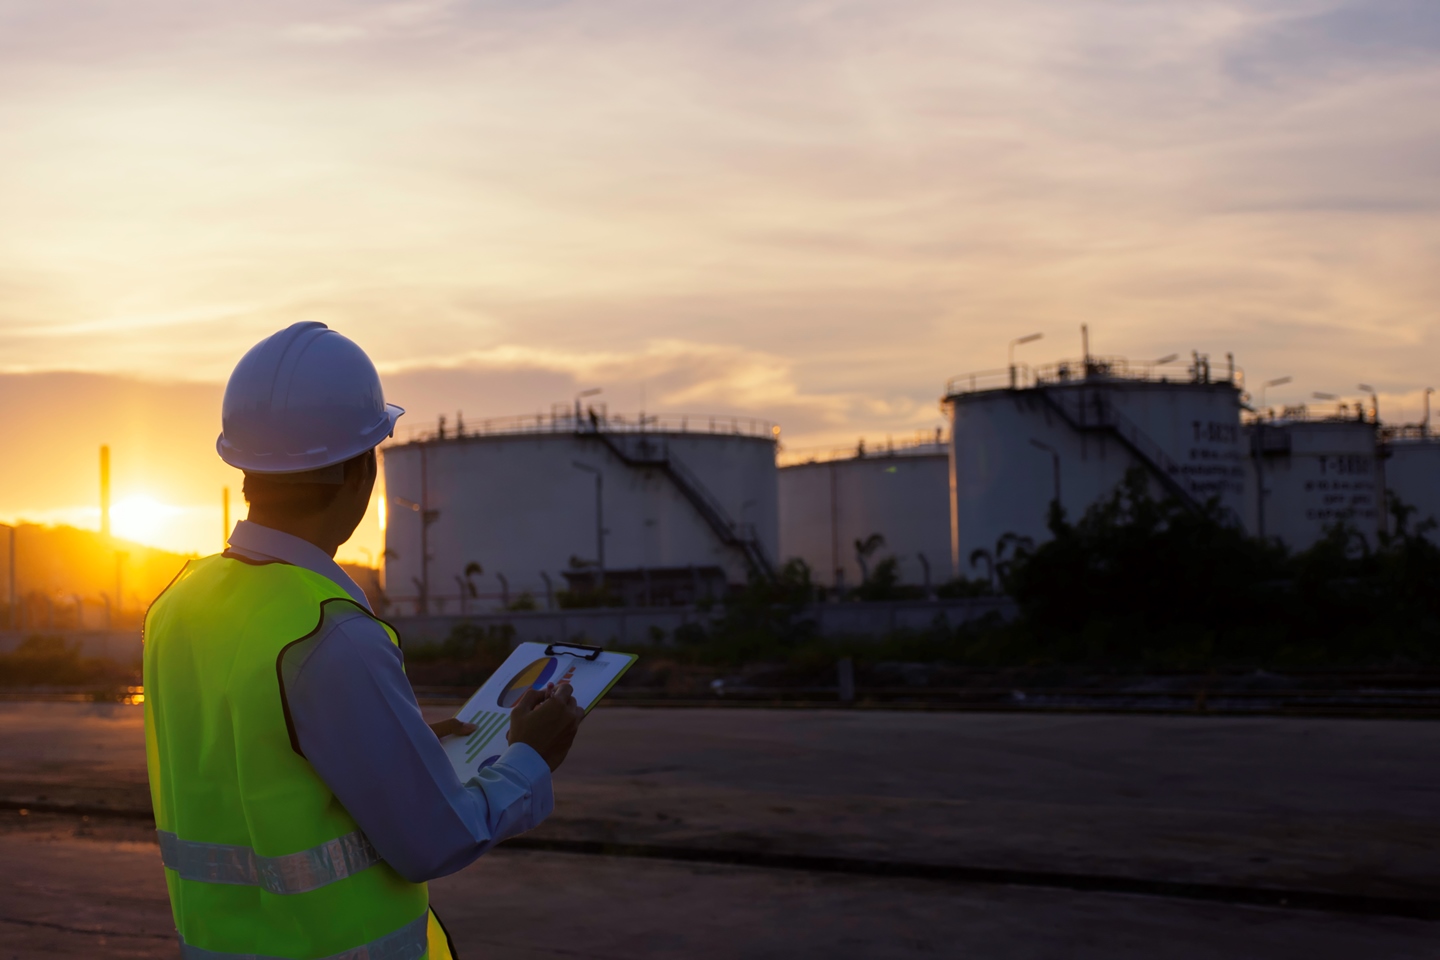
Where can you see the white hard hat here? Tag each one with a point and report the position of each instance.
(302, 399)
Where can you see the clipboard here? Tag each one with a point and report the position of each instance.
(591, 672)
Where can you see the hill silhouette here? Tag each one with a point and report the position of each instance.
(67, 578)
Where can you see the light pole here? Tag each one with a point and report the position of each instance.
(580, 396)
(427, 517)
(1380, 454)
(1055, 458)
(599, 518)
(10, 613)
(1374, 401)
(1277, 382)
(1425, 424)
(1010, 353)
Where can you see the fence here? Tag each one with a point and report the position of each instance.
(632, 626)
(611, 626)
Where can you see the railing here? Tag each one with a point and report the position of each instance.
(1408, 431)
(1107, 418)
(1024, 377)
(737, 536)
(565, 421)
(1304, 413)
(923, 444)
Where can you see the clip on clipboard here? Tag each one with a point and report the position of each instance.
(563, 650)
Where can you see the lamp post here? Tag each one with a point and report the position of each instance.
(1010, 353)
(1277, 382)
(1055, 458)
(1425, 424)
(599, 518)
(580, 396)
(1374, 401)
(11, 613)
(427, 517)
(1380, 454)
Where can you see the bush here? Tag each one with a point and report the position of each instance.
(1154, 583)
(46, 660)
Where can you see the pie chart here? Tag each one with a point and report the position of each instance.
(533, 677)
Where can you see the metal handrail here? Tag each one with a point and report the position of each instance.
(906, 448)
(1408, 431)
(694, 490)
(566, 422)
(1304, 413)
(1024, 377)
(1106, 417)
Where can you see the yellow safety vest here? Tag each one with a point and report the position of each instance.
(262, 861)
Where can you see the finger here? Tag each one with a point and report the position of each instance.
(528, 701)
(564, 693)
(451, 727)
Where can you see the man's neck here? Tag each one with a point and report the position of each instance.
(312, 529)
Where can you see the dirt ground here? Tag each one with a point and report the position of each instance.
(1332, 806)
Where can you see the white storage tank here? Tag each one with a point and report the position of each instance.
(1412, 472)
(661, 509)
(902, 494)
(1311, 471)
(1022, 437)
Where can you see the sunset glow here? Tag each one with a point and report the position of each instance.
(808, 213)
(142, 518)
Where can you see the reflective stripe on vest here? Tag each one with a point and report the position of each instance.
(407, 943)
(293, 873)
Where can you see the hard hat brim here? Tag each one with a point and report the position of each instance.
(310, 459)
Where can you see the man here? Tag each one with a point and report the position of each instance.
(301, 799)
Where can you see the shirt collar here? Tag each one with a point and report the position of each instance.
(256, 542)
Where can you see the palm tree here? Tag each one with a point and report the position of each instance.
(863, 551)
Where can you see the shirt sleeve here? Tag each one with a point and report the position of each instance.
(357, 721)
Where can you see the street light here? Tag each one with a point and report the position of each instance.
(1374, 400)
(1055, 457)
(1028, 338)
(581, 396)
(427, 517)
(1277, 382)
(10, 612)
(1425, 424)
(599, 518)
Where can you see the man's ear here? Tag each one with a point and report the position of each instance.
(360, 470)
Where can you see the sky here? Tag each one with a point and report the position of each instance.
(809, 212)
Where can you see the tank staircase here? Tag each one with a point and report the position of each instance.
(654, 455)
(1100, 416)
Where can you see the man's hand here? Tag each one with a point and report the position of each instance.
(452, 727)
(547, 721)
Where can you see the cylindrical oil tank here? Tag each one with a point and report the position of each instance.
(657, 510)
(830, 508)
(1412, 474)
(1309, 473)
(1070, 431)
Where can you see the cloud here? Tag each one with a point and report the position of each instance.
(666, 376)
(809, 211)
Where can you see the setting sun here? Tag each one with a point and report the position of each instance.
(142, 518)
